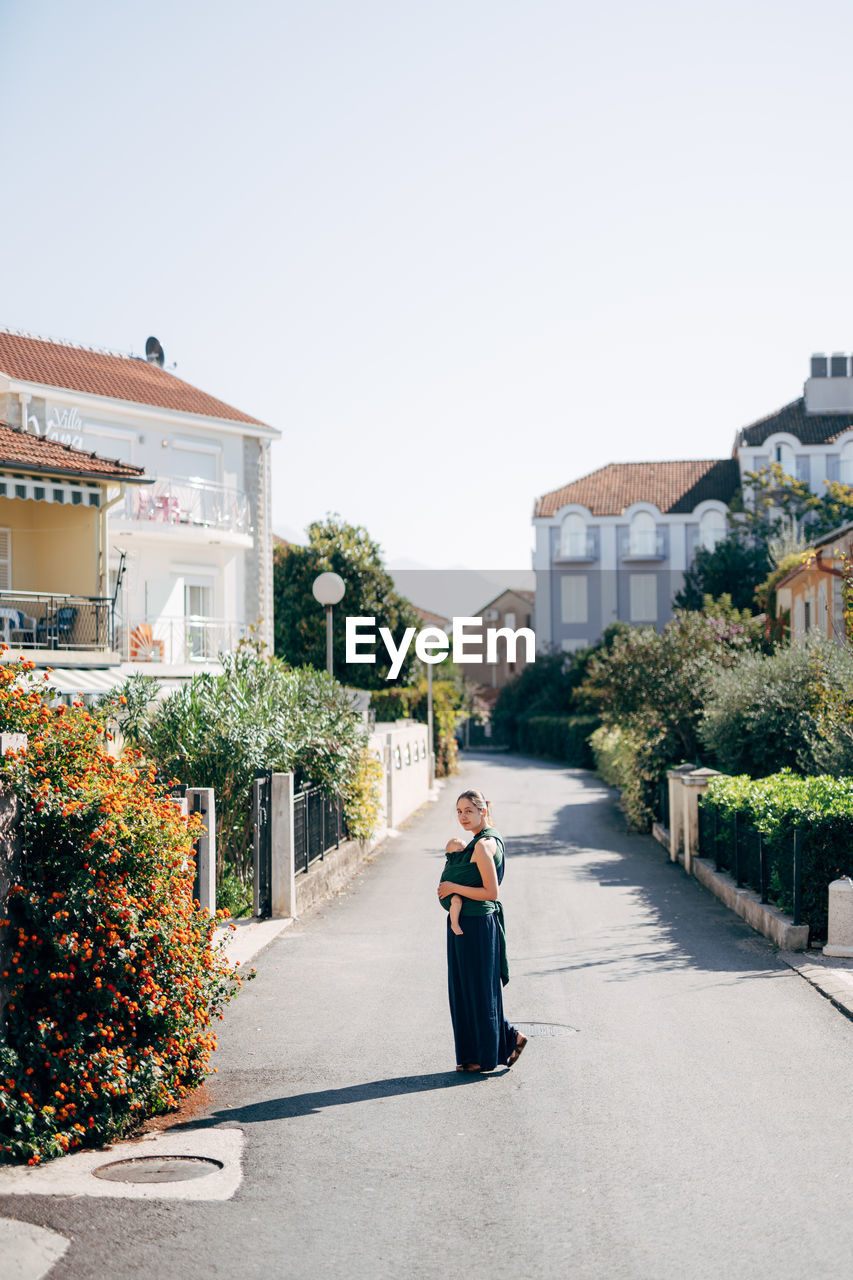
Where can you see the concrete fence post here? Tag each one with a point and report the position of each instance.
(201, 800)
(282, 879)
(839, 940)
(693, 785)
(676, 809)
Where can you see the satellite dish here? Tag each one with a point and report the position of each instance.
(154, 353)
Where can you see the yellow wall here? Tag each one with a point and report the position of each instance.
(54, 546)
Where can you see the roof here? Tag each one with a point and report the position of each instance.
(809, 428)
(21, 449)
(529, 597)
(431, 619)
(673, 487)
(106, 373)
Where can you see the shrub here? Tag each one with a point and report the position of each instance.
(820, 807)
(563, 738)
(633, 764)
(363, 797)
(111, 976)
(760, 716)
(220, 731)
(449, 708)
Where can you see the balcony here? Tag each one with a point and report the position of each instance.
(640, 544)
(577, 546)
(169, 506)
(42, 620)
(178, 640)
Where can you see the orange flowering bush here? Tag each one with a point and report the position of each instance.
(112, 977)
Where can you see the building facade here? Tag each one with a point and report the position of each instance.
(615, 544)
(189, 556)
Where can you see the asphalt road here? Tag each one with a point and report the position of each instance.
(692, 1119)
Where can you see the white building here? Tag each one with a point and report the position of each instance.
(615, 544)
(189, 556)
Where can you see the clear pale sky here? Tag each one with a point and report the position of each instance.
(460, 253)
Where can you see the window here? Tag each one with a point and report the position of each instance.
(509, 620)
(712, 529)
(807, 615)
(784, 455)
(644, 597)
(201, 638)
(839, 630)
(5, 559)
(573, 536)
(845, 471)
(574, 602)
(642, 540)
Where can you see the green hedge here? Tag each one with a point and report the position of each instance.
(820, 807)
(563, 738)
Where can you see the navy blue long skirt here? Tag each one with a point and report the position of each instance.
(480, 1030)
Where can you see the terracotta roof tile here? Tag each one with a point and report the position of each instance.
(22, 449)
(809, 428)
(106, 373)
(674, 487)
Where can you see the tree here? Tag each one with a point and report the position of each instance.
(733, 567)
(300, 624)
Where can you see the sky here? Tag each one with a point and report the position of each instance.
(458, 253)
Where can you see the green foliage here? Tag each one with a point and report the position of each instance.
(300, 622)
(450, 706)
(821, 808)
(635, 766)
(558, 737)
(734, 567)
(761, 716)
(363, 797)
(111, 974)
(221, 731)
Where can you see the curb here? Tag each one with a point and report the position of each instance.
(833, 983)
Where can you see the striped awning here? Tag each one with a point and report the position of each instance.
(73, 493)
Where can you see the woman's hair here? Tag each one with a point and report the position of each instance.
(477, 798)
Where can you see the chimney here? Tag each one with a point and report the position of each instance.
(829, 389)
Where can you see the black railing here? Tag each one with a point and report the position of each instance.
(318, 826)
(42, 620)
(662, 807)
(742, 850)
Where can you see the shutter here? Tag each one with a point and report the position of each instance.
(5, 559)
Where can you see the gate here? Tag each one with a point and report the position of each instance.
(262, 851)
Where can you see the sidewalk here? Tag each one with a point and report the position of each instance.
(831, 976)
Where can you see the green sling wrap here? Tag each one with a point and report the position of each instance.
(459, 869)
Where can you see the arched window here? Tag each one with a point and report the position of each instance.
(845, 473)
(573, 535)
(643, 538)
(784, 455)
(712, 529)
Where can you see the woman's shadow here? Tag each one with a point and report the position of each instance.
(304, 1104)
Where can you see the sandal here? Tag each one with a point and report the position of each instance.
(467, 1066)
(520, 1044)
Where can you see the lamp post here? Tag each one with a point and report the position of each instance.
(328, 591)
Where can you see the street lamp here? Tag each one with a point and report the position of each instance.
(328, 591)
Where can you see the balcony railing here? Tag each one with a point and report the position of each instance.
(644, 545)
(43, 620)
(577, 546)
(188, 502)
(178, 640)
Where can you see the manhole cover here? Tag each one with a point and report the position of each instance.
(545, 1029)
(158, 1169)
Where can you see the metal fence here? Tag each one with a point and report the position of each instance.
(741, 849)
(662, 806)
(44, 620)
(318, 826)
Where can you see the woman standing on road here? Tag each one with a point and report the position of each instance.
(476, 957)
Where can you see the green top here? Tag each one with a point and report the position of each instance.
(459, 869)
